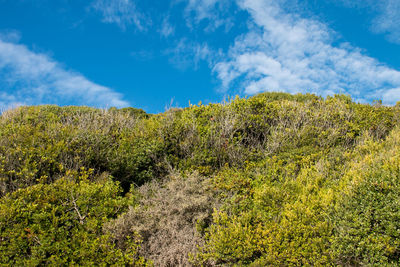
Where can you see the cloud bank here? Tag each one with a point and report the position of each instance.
(35, 78)
(284, 52)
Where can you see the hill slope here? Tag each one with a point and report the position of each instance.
(275, 179)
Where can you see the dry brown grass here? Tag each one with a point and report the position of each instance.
(166, 218)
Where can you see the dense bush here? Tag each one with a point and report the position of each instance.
(275, 179)
(367, 214)
(61, 224)
(40, 144)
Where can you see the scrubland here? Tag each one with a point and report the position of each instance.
(271, 180)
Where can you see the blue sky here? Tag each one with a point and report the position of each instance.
(157, 54)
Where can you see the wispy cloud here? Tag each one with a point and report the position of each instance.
(121, 12)
(216, 12)
(284, 52)
(8, 101)
(167, 29)
(10, 36)
(35, 78)
(189, 53)
(385, 13)
(388, 20)
(281, 50)
(143, 55)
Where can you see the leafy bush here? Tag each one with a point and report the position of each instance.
(367, 215)
(40, 144)
(61, 223)
(274, 179)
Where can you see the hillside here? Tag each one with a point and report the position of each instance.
(275, 179)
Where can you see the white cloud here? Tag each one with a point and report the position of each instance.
(385, 13)
(8, 101)
(388, 20)
(166, 28)
(216, 12)
(189, 54)
(388, 96)
(33, 78)
(284, 52)
(121, 12)
(10, 36)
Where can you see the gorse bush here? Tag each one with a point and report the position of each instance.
(275, 179)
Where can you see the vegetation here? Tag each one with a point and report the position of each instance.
(275, 179)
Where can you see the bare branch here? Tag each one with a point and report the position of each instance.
(81, 218)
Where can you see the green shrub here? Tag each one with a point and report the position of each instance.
(367, 215)
(40, 144)
(61, 224)
(295, 180)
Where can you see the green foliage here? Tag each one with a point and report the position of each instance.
(367, 215)
(270, 220)
(135, 112)
(61, 224)
(277, 208)
(40, 144)
(271, 180)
